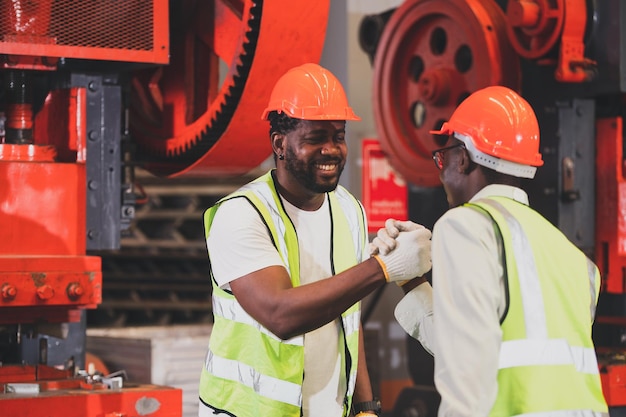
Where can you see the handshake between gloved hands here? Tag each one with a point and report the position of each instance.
(403, 250)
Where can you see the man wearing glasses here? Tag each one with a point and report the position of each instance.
(509, 320)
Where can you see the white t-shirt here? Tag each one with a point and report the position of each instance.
(239, 244)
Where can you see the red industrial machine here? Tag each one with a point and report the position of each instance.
(567, 58)
(89, 91)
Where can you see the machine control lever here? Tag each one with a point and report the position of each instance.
(569, 193)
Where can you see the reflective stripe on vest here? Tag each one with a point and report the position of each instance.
(545, 362)
(566, 413)
(351, 322)
(527, 352)
(230, 309)
(264, 385)
(266, 380)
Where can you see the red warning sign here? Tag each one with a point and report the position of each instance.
(384, 191)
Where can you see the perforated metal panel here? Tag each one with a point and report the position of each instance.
(112, 30)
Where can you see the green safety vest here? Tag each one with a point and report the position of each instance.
(249, 371)
(547, 363)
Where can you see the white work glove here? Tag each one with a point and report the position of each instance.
(408, 255)
(385, 239)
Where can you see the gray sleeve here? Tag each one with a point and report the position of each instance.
(467, 298)
(414, 313)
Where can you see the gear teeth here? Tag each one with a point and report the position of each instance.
(197, 146)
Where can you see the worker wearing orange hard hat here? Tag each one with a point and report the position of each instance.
(289, 265)
(508, 317)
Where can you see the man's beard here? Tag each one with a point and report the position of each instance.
(306, 173)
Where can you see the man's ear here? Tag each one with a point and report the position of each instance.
(277, 140)
(466, 165)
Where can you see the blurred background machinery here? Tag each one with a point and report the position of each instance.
(123, 121)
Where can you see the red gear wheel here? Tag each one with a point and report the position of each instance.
(535, 26)
(433, 54)
(201, 114)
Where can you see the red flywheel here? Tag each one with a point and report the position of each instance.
(432, 54)
(201, 114)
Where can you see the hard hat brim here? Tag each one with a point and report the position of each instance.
(445, 130)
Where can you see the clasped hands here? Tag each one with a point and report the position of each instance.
(403, 250)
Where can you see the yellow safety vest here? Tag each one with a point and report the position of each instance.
(249, 371)
(547, 365)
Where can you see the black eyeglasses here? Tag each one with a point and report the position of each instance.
(438, 154)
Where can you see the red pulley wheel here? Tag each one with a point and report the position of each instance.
(201, 114)
(432, 54)
(535, 26)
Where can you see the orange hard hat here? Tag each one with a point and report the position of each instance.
(310, 92)
(498, 123)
